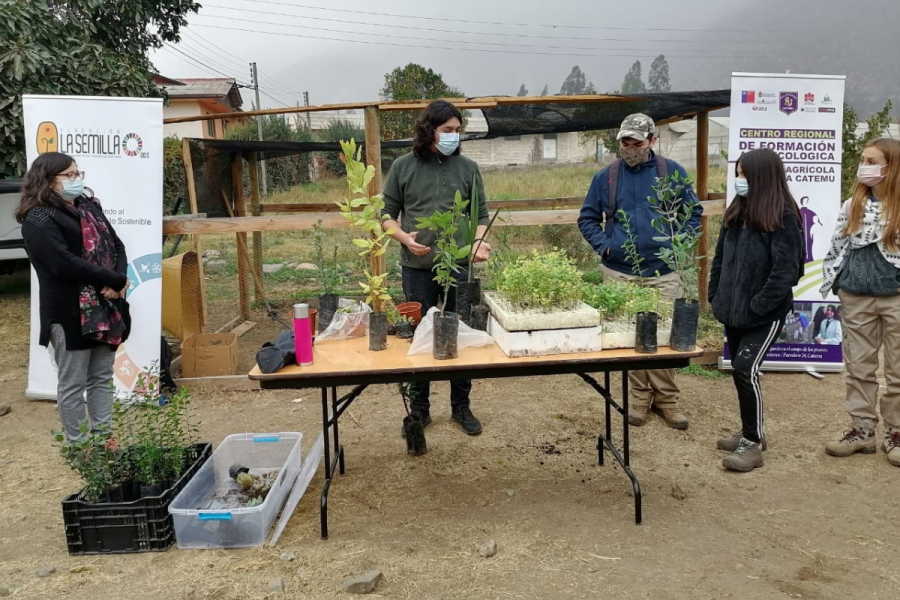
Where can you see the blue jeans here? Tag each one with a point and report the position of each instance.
(419, 286)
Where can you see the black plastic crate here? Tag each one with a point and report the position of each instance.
(143, 525)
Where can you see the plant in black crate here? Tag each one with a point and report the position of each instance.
(447, 258)
(675, 210)
(132, 472)
(328, 276)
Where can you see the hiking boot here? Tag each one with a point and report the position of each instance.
(891, 446)
(855, 440)
(730, 443)
(637, 415)
(421, 415)
(463, 415)
(671, 416)
(746, 457)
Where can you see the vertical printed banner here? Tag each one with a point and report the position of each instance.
(117, 142)
(801, 118)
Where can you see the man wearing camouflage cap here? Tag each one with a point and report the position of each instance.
(625, 185)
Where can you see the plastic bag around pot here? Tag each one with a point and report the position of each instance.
(423, 341)
(346, 325)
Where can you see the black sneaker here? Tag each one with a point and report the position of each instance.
(423, 416)
(463, 415)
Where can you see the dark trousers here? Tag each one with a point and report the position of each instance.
(419, 286)
(748, 349)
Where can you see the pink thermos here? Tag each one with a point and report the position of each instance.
(303, 345)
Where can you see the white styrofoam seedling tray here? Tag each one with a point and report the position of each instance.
(513, 320)
(546, 342)
(620, 334)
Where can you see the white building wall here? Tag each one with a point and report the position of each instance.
(193, 129)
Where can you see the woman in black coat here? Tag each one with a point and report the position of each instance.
(759, 259)
(81, 268)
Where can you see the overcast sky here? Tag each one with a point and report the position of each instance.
(490, 47)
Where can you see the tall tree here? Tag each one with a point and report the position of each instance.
(545, 91)
(576, 84)
(412, 82)
(523, 91)
(77, 47)
(658, 80)
(633, 84)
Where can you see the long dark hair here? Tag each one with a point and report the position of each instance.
(769, 195)
(36, 190)
(435, 114)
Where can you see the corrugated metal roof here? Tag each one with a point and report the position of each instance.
(201, 88)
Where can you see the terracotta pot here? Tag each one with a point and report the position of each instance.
(413, 310)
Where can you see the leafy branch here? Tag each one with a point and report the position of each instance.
(673, 225)
(447, 251)
(364, 212)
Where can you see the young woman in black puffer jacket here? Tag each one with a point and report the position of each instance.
(759, 259)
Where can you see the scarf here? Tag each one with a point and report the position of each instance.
(871, 232)
(101, 319)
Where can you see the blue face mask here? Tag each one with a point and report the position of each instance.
(72, 189)
(741, 187)
(448, 144)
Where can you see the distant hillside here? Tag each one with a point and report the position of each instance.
(836, 37)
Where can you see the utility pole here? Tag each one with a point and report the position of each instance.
(312, 156)
(254, 77)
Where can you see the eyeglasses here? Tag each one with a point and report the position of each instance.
(73, 176)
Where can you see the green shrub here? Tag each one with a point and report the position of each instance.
(541, 281)
(336, 131)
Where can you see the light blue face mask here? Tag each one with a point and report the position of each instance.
(448, 144)
(741, 187)
(72, 189)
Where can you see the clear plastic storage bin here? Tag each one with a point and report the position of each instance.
(210, 512)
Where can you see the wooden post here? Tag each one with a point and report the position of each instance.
(373, 157)
(240, 209)
(702, 188)
(255, 211)
(198, 246)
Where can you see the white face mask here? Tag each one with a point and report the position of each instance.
(741, 187)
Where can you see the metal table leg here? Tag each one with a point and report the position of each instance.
(605, 441)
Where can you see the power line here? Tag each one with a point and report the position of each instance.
(201, 64)
(432, 40)
(528, 52)
(482, 33)
(541, 25)
(208, 45)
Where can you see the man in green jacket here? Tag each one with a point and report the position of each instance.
(419, 184)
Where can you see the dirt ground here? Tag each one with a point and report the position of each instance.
(804, 526)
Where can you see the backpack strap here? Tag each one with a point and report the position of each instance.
(613, 187)
(662, 166)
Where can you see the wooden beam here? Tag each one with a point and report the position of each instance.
(703, 190)
(337, 221)
(196, 241)
(462, 103)
(240, 209)
(541, 203)
(373, 158)
(255, 210)
(243, 328)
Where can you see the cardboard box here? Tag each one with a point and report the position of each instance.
(209, 355)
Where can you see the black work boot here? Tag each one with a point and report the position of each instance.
(469, 423)
(422, 414)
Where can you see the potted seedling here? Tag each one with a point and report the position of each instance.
(647, 318)
(131, 472)
(673, 225)
(447, 258)
(328, 277)
(541, 282)
(413, 428)
(364, 211)
(468, 293)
